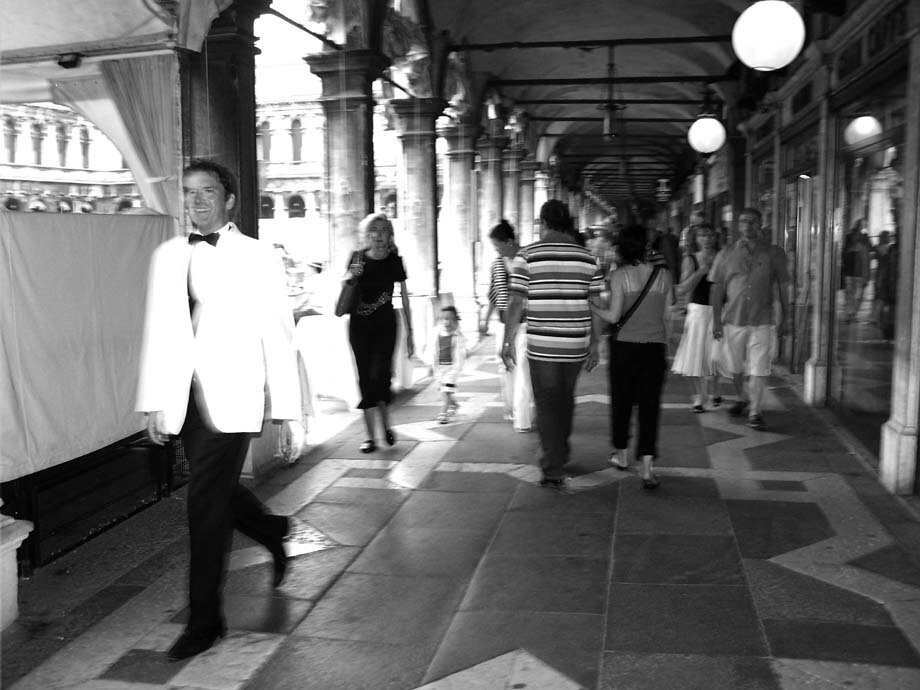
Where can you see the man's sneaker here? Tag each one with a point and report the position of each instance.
(755, 421)
(738, 408)
(442, 418)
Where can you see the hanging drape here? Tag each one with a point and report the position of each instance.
(145, 93)
(135, 104)
(72, 295)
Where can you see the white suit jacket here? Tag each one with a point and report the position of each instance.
(243, 340)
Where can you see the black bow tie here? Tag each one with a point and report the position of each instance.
(210, 239)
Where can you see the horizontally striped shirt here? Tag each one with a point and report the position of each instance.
(498, 286)
(557, 278)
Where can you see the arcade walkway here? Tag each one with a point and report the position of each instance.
(765, 561)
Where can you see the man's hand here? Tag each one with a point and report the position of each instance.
(717, 331)
(593, 357)
(156, 427)
(509, 358)
(293, 439)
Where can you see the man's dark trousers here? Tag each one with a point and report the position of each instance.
(217, 504)
(553, 386)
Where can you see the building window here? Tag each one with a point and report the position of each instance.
(9, 138)
(295, 206)
(84, 146)
(38, 135)
(266, 207)
(63, 136)
(265, 135)
(296, 139)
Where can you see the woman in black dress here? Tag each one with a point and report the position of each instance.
(372, 325)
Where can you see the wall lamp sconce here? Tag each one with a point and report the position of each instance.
(768, 35)
(69, 60)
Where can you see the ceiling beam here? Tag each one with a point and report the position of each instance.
(604, 101)
(589, 43)
(649, 79)
(565, 118)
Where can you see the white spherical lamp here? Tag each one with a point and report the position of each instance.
(768, 35)
(861, 129)
(706, 135)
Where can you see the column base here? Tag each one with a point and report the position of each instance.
(897, 467)
(12, 534)
(815, 393)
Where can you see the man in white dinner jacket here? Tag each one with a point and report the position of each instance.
(218, 329)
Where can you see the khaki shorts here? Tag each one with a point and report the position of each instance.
(747, 349)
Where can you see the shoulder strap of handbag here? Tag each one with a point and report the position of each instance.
(635, 305)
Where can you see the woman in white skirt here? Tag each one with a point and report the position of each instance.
(694, 355)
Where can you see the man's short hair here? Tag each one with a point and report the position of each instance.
(752, 211)
(452, 309)
(225, 177)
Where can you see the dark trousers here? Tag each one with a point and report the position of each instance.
(637, 372)
(373, 341)
(553, 386)
(216, 504)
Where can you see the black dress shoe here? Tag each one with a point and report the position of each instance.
(390, 437)
(280, 557)
(368, 446)
(192, 643)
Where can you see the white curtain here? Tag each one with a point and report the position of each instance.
(145, 92)
(140, 117)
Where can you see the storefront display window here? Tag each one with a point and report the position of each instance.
(868, 208)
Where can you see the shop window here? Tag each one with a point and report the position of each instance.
(295, 206)
(266, 207)
(868, 213)
(296, 140)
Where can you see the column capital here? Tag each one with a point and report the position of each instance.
(347, 73)
(461, 138)
(416, 116)
(490, 147)
(512, 156)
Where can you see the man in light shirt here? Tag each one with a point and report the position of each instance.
(218, 329)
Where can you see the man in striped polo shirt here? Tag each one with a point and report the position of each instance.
(557, 277)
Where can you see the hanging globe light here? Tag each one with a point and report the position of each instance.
(706, 135)
(768, 35)
(861, 129)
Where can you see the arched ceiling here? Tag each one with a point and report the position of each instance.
(551, 58)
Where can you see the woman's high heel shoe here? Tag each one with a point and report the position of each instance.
(649, 480)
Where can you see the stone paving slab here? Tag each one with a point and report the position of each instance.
(770, 561)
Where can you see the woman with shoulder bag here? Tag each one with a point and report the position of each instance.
(640, 295)
(372, 326)
(694, 356)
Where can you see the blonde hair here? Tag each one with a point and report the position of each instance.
(369, 220)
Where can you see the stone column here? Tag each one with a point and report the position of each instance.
(219, 103)
(457, 228)
(511, 184)
(898, 457)
(418, 197)
(822, 259)
(12, 534)
(347, 77)
(527, 233)
(490, 198)
(280, 207)
(541, 194)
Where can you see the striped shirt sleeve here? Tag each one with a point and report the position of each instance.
(498, 285)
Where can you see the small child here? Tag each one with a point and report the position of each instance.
(446, 355)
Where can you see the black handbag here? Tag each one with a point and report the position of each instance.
(348, 297)
(615, 328)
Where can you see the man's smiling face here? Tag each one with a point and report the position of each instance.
(206, 201)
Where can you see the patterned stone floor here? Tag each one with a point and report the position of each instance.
(766, 560)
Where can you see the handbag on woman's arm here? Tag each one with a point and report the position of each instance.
(348, 297)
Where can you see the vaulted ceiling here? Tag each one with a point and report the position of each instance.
(554, 59)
